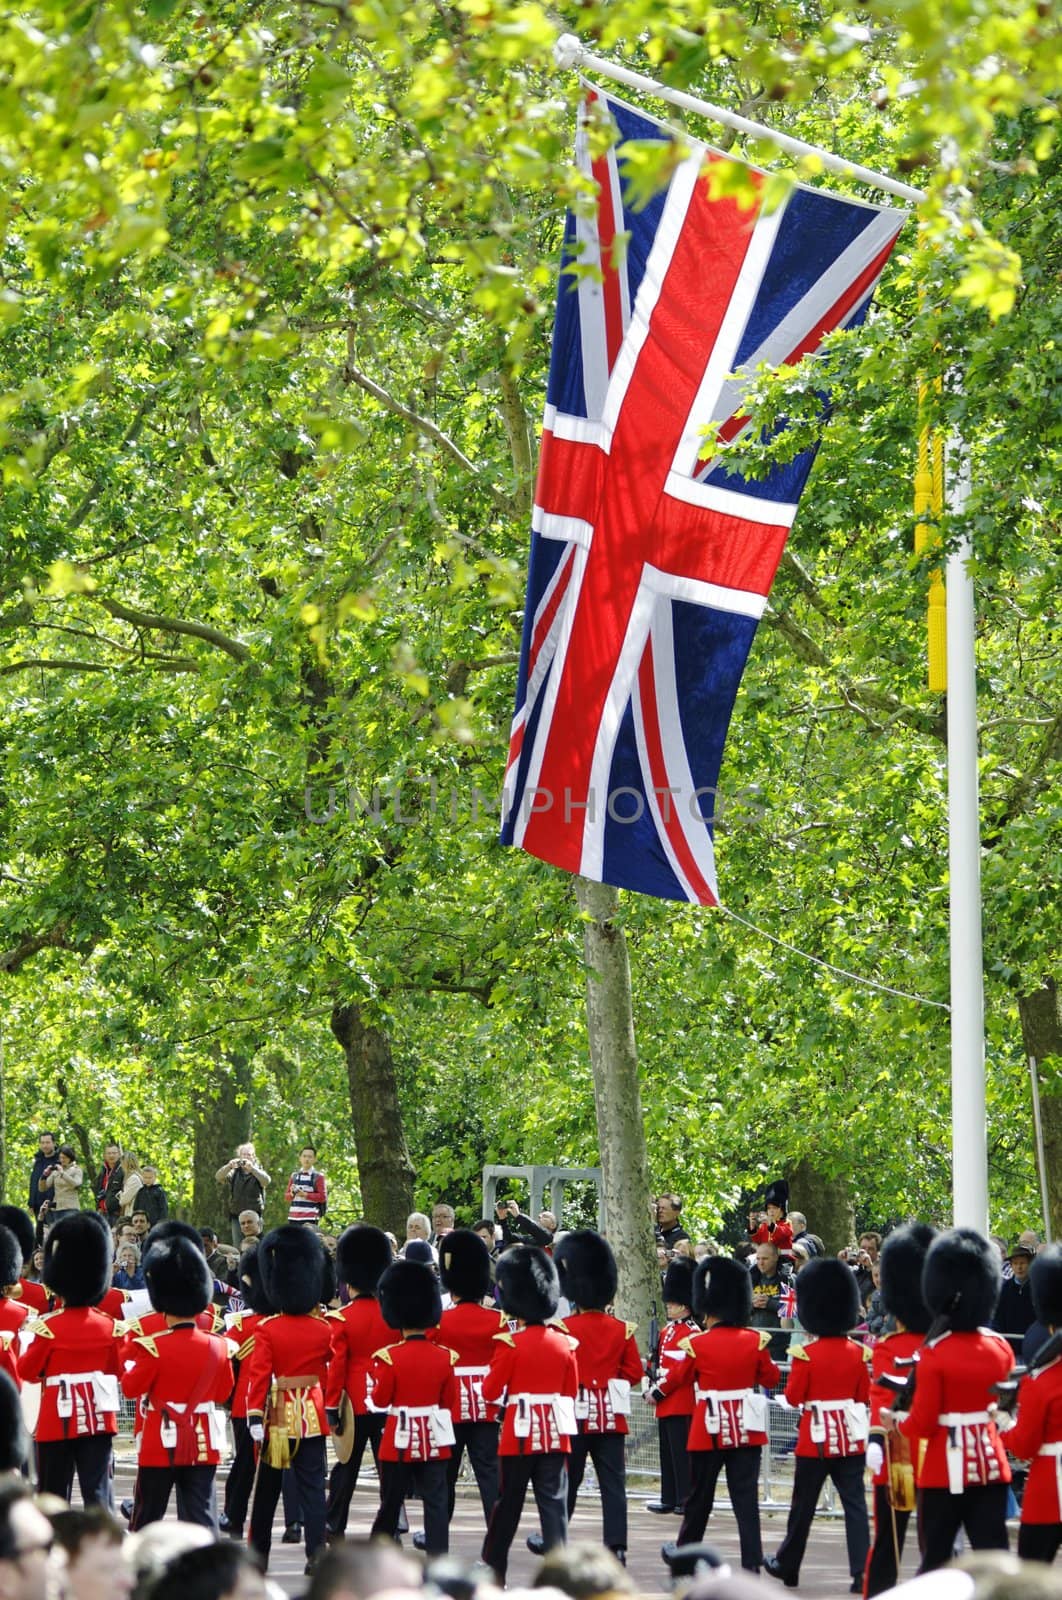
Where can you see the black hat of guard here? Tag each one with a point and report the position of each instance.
(252, 1289)
(587, 1269)
(294, 1269)
(77, 1259)
(527, 1284)
(21, 1224)
(827, 1297)
(363, 1255)
(777, 1194)
(903, 1257)
(464, 1264)
(177, 1277)
(1045, 1280)
(961, 1278)
(722, 1288)
(11, 1258)
(678, 1281)
(13, 1443)
(409, 1296)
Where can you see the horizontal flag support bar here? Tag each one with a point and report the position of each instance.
(569, 52)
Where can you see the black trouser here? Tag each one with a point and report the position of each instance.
(426, 1479)
(480, 1439)
(1039, 1541)
(882, 1567)
(548, 1476)
(606, 1451)
(811, 1472)
(674, 1433)
(981, 1510)
(195, 1495)
(368, 1428)
(89, 1456)
(743, 1482)
(308, 1469)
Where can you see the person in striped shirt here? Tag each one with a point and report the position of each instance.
(307, 1192)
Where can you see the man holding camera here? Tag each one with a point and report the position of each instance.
(247, 1181)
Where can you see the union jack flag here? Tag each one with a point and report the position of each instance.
(787, 1300)
(650, 566)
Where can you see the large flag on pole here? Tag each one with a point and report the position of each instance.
(650, 565)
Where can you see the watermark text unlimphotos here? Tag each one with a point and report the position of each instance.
(413, 800)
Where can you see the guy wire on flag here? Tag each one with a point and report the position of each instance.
(841, 972)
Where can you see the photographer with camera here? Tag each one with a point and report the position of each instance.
(520, 1229)
(247, 1181)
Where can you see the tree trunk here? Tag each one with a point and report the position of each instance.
(826, 1202)
(1041, 1031)
(618, 1102)
(223, 1120)
(385, 1171)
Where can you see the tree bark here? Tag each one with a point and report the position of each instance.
(385, 1170)
(618, 1101)
(826, 1202)
(1041, 1031)
(223, 1120)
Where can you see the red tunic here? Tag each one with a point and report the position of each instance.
(166, 1368)
(239, 1330)
(414, 1382)
(781, 1234)
(1040, 1423)
(534, 1370)
(9, 1355)
(13, 1314)
(678, 1397)
(721, 1371)
(955, 1377)
(469, 1329)
(112, 1302)
(608, 1362)
(287, 1348)
(75, 1355)
(358, 1331)
(34, 1295)
(830, 1379)
(885, 1358)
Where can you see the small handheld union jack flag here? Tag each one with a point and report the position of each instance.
(787, 1303)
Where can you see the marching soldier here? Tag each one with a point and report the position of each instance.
(414, 1381)
(154, 1321)
(183, 1376)
(534, 1373)
(724, 1369)
(964, 1471)
(675, 1410)
(889, 1454)
(830, 1382)
(28, 1293)
(74, 1355)
(358, 1331)
(240, 1330)
(469, 1328)
(285, 1394)
(1037, 1434)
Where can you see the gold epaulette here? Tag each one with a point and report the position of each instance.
(504, 1337)
(687, 1345)
(868, 1354)
(632, 1329)
(798, 1352)
(765, 1338)
(39, 1328)
(384, 1355)
(147, 1342)
(454, 1357)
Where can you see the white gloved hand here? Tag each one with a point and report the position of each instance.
(875, 1457)
(257, 1432)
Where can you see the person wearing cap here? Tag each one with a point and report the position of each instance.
(1014, 1312)
(468, 1327)
(675, 1409)
(363, 1255)
(774, 1229)
(1037, 1434)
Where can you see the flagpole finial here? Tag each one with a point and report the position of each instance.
(568, 50)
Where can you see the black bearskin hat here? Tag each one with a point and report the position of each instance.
(827, 1297)
(77, 1259)
(21, 1224)
(527, 1284)
(174, 1228)
(251, 1288)
(903, 1256)
(777, 1194)
(409, 1296)
(177, 1277)
(464, 1264)
(587, 1269)
(11, 1258)
(294, 1269)
(722, 1288)
(363, 1255)
(678, 1281)
(1045, 1279)
(961, 1279)
(13, 1444)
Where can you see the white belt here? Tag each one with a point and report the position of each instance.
(104, 1390)
(1055, 1449)
(215, 1424)
(954, 1451)
(1052, 1449)
(855, 1414)
(720, 1394)
(562, 1406)
(964, 1419)
(471, 1372)
(440, 1424)
(753, 1417)
(617, 1392)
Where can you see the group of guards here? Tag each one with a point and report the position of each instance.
(530, 1398)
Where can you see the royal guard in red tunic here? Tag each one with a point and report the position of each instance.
(469, 1328)
(209, 1319)
(1037, 1435)
(777, 1229)
(25, 1291)
(183, 1376)
(74, 1354)
(285, 1393)
(413, 1381)
(239, 1332)
(963, 1472)
(830, 1382)
(724, 1372)
(534, 1375)
(675, 1410)
(363, 1255)
(889, 1454)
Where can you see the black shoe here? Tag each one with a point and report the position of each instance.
(773, 1570)
(311, 1565)
(620, 1555)
(233, 1530)
(126, 1508)
(536, 1544)
(292, 1533)
(420, 1540)
(659, 1508)
(857, 1586)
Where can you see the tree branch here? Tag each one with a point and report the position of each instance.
(195, 630)
(55, 939)
(1024, 790)
(9, 668)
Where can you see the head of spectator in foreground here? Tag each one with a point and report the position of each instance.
(583, 1571)
(527, 1284)
(363, 1255)
(25, 1540)
(14, 1445)
(295, 1269)
(1045, 1284)
(418, 1226)
(587, 1269)
(961, 1279)
(722, 1292)
(361, 1569)
(97, 1567)
(409, 1297)
(464, 1265)
(828, 1298)
(214, 1572)
(77, 1259)
(767, 1258)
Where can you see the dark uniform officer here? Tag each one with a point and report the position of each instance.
(358, 1331)
(1037, 1434)
(468, 1328)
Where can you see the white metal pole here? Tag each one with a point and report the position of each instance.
(570, 51)
(969, 1131)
